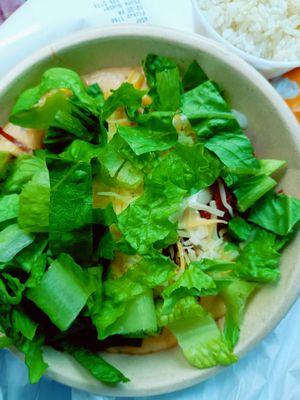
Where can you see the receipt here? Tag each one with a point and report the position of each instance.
(40, 22)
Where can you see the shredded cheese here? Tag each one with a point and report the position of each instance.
(224, 199)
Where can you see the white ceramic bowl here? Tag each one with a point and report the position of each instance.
(275, 134)
(269, 68)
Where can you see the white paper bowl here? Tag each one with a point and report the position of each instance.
(275, 134)
(270, 69)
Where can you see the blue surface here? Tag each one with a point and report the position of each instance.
(271, 371)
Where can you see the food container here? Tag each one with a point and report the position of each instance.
(274, 132)
(269, 68)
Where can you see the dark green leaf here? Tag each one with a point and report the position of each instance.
(193, 76)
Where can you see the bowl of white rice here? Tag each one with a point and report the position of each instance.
(266, 33)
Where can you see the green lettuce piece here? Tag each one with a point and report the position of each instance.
(33, 359)
(278, 213)
(118, 163)
(9, 207)
(239, 229)
(138, 319)
(235, 152)
(26, 258)
(96, 365)
(259, 259)
(235, 297)
(38, 267)
(63, 291)
(147, 220)
(164, 81)
(206, 128)
(22, 171)
(168, 88)
(193, 282)
(66, 122)
(268, 167)
(30, 112)
(39, 116)
(193, 76)
(71, 208)
(198, 335)
(151, 271)
(23, 324)
(189, 167)
(154, 64)
(249, 190)
(144, 140)
(35, 203)
(157, 121)
(79, 150)
(12, 240)
(205, 101)
(11, 289)
(4, 163)
(125, 96)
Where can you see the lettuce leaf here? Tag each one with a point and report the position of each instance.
(9, 207)
(29, 112)
(191, 168)
(235, 152)
(152, 271)
(125, 96)
(235, 297)
(33, 359)
(63, 291)
(205, 102)
(96, 365)
(277, 213)
(147, 220)
(259, 259)
(12, 240)
(79, 150)
(144, 140)
(239, 229)
(193, 76)
(249, 190)
(164, 81)
(35, 203)
(192, 282)
(70, 218)
(22, 171)
(138, 319)
(198, 336)
(23, 324)
(120, 164)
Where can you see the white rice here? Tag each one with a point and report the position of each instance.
(265, 28)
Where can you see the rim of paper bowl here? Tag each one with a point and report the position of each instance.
(259, 62)
(197, 42)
